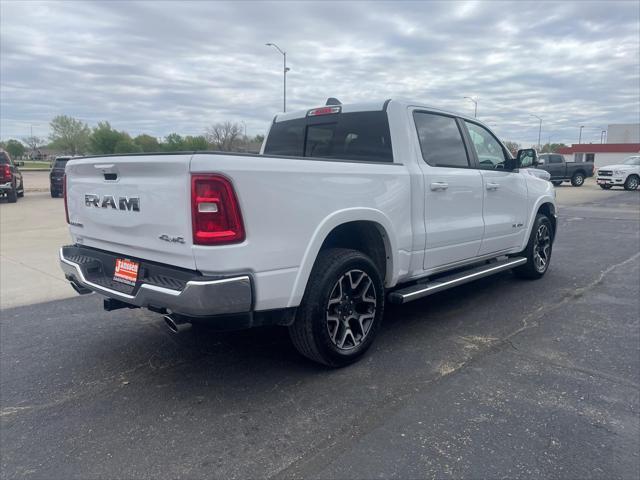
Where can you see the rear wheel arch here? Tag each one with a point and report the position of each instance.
(364, 236)
(369, 226)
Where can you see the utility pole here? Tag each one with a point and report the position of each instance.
(475, 106)
(285, 70)
(539, 128)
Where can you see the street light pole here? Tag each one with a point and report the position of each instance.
(475, 106)
(285, 69)
(580, 136)
(602, 136)
(539, 128)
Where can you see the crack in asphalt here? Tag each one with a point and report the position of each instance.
(312, 462)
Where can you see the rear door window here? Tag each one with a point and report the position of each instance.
(440, 140)
(349, 136)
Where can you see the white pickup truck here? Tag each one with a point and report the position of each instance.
(345, 208)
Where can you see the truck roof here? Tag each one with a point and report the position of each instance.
(373, 106)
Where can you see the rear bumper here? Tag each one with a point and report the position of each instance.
(194, 295)
(6, 187)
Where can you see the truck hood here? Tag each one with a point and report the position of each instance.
(618, 167)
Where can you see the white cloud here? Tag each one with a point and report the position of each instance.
(159, 67)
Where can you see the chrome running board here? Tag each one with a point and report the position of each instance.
(414, 292)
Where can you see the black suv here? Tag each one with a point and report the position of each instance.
(56, 176)
(11, 183)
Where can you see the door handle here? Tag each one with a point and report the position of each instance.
(435, 186)
(492, 186)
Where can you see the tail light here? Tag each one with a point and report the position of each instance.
(64, 194)
(215, 212)
(6, 173)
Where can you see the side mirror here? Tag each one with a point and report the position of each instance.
(527, 157)
(541, 161)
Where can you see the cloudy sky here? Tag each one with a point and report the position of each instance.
(161, 66)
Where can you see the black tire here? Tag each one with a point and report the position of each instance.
(531, 269)
(557, 183)
(632, 182)
(330, 284)
(12, 195)
(21, 192)
(606, 187)
(54, 194)
(578, 179)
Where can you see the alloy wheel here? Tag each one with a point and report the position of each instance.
(351, 309)
(542, 248)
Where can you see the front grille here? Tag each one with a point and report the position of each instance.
(605, 173)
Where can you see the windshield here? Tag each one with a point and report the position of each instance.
(632, 161)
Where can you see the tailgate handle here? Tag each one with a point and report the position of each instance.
(111, 177)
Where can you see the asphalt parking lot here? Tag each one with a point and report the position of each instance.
(498, 378)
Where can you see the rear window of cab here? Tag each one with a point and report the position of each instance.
(360, 136)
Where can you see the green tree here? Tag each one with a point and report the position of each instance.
(69, 135)
(173, 143)
(147, 143)
(195, 143)
(126, 145)
(15, 148)
(104, 138)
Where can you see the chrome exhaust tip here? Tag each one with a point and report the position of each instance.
(176, 325)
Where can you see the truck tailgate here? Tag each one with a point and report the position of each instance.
(138, 206)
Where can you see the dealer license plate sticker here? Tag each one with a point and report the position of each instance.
(126, 271)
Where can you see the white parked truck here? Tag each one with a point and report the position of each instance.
(626, 174)
(347, 207)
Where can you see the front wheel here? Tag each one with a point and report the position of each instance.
(577, 180)
(632, 182)
(538, 251)
(341, 309)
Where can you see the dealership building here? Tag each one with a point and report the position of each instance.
(623, 140)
